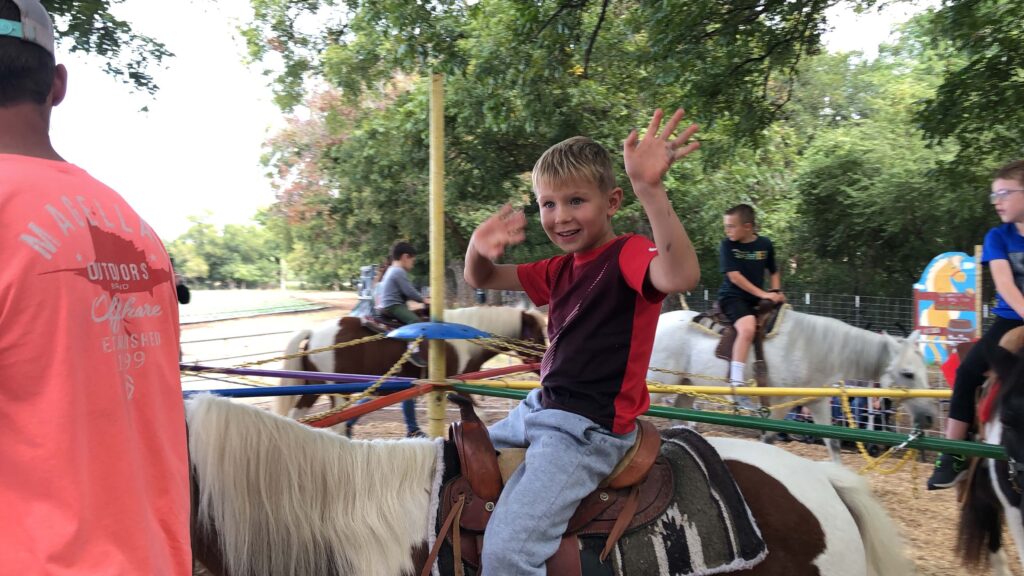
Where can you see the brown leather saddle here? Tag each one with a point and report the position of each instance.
(380, 322)
(637, 492)
(766, 313)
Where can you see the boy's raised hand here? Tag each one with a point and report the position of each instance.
(505, 228)
(649, 158)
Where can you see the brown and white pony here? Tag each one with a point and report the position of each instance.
(379, 356)
(274, 497)
(994, 489)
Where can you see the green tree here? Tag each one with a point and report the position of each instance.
(980, 103)
(842, 175)
(88, 26)
(236, 256)
(874, 206)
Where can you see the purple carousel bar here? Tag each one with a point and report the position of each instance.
(297, 374)
(258, 392)
(344, 383)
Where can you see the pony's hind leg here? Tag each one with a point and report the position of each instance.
(302, 406)
(821, 413)
(1000, 565)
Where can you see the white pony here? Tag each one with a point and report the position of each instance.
(806, 351)
(276, 497)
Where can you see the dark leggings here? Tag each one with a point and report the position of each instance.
(971, 373)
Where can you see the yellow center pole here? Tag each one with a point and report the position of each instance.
(436, 400)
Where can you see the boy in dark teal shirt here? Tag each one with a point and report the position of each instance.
(744, 257)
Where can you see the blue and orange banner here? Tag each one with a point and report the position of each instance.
(946, 304)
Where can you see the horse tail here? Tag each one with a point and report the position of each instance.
(981, 520)
(883, 544)
(542, 320)
(284, 404)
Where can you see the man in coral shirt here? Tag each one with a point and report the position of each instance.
(93, 457)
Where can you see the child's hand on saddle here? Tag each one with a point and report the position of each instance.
(777, 297)
(506, 228)
(649, 158)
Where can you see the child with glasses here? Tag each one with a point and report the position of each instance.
(1004, 253)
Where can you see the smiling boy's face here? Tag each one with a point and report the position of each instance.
(576, 214)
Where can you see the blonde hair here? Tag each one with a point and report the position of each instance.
(578, 158)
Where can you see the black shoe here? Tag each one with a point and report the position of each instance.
(950, 469)
(417, 433)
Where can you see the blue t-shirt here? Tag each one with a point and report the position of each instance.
(751, 259)
(1004, 242)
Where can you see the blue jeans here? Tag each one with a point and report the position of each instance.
(408, 413)
(567, 456)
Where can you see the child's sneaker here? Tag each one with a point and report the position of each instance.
(415, 358)
(950, 469)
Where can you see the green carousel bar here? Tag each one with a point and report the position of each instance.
(818, 430)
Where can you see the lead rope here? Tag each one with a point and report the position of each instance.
(454, 516)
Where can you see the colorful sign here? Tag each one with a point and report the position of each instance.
(946, 304)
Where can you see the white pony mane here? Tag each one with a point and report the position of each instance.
(497, 320)
(849, 350)
(289, 499)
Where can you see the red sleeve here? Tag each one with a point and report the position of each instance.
(536, 280)
(635, 261)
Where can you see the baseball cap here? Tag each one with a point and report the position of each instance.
(35, 26)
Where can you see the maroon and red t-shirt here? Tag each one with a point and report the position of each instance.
(602, 315)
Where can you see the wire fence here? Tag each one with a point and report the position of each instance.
(875, 313)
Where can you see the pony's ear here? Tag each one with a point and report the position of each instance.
(893, 341)
(913, 337)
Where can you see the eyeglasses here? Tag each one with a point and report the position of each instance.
(1000, 195)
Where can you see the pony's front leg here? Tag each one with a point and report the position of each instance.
(821, 413)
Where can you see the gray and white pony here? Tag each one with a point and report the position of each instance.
(805, 351)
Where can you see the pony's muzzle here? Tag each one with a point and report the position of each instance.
(922, 411)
